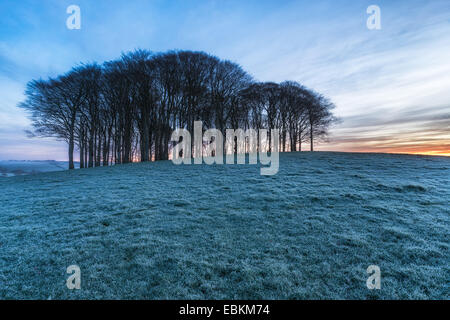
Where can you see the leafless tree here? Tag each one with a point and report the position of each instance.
(125, 110)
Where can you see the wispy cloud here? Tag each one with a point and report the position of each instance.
(390, 86)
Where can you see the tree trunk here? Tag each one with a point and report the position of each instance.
(71, 142)
(71, 147)
(106, 149)
(294, 142)
(99, 149)
(91, 149)
(81, 155)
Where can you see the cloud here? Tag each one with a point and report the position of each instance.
(390, 86)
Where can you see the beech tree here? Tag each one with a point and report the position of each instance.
(126, 109)
(54, 105)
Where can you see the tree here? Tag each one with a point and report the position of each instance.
(54, 105)
(125, 110)
(320, 117)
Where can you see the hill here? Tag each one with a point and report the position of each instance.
(160, 231)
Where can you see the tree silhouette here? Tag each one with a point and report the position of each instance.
(125, 110)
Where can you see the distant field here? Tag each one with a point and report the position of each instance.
(161, 231)
(10, 168)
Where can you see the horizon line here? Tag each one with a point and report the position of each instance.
(305, 151)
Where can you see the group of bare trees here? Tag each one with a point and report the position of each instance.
(125, 110)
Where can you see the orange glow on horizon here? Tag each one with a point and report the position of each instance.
(441, 149)
(432, 153)
(393, 151)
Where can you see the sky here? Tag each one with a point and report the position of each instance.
(391, 86)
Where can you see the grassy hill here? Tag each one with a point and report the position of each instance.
(159, 231)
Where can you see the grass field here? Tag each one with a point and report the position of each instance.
(161, 231)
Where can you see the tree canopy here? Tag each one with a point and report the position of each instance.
(126, 109)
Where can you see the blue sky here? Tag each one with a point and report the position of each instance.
(391, 86)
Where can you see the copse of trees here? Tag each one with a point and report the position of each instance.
(125, 110)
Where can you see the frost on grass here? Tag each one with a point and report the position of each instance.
(159, 231)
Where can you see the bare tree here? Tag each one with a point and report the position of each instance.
(54, 105)
(126, 109)
(320, 117)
